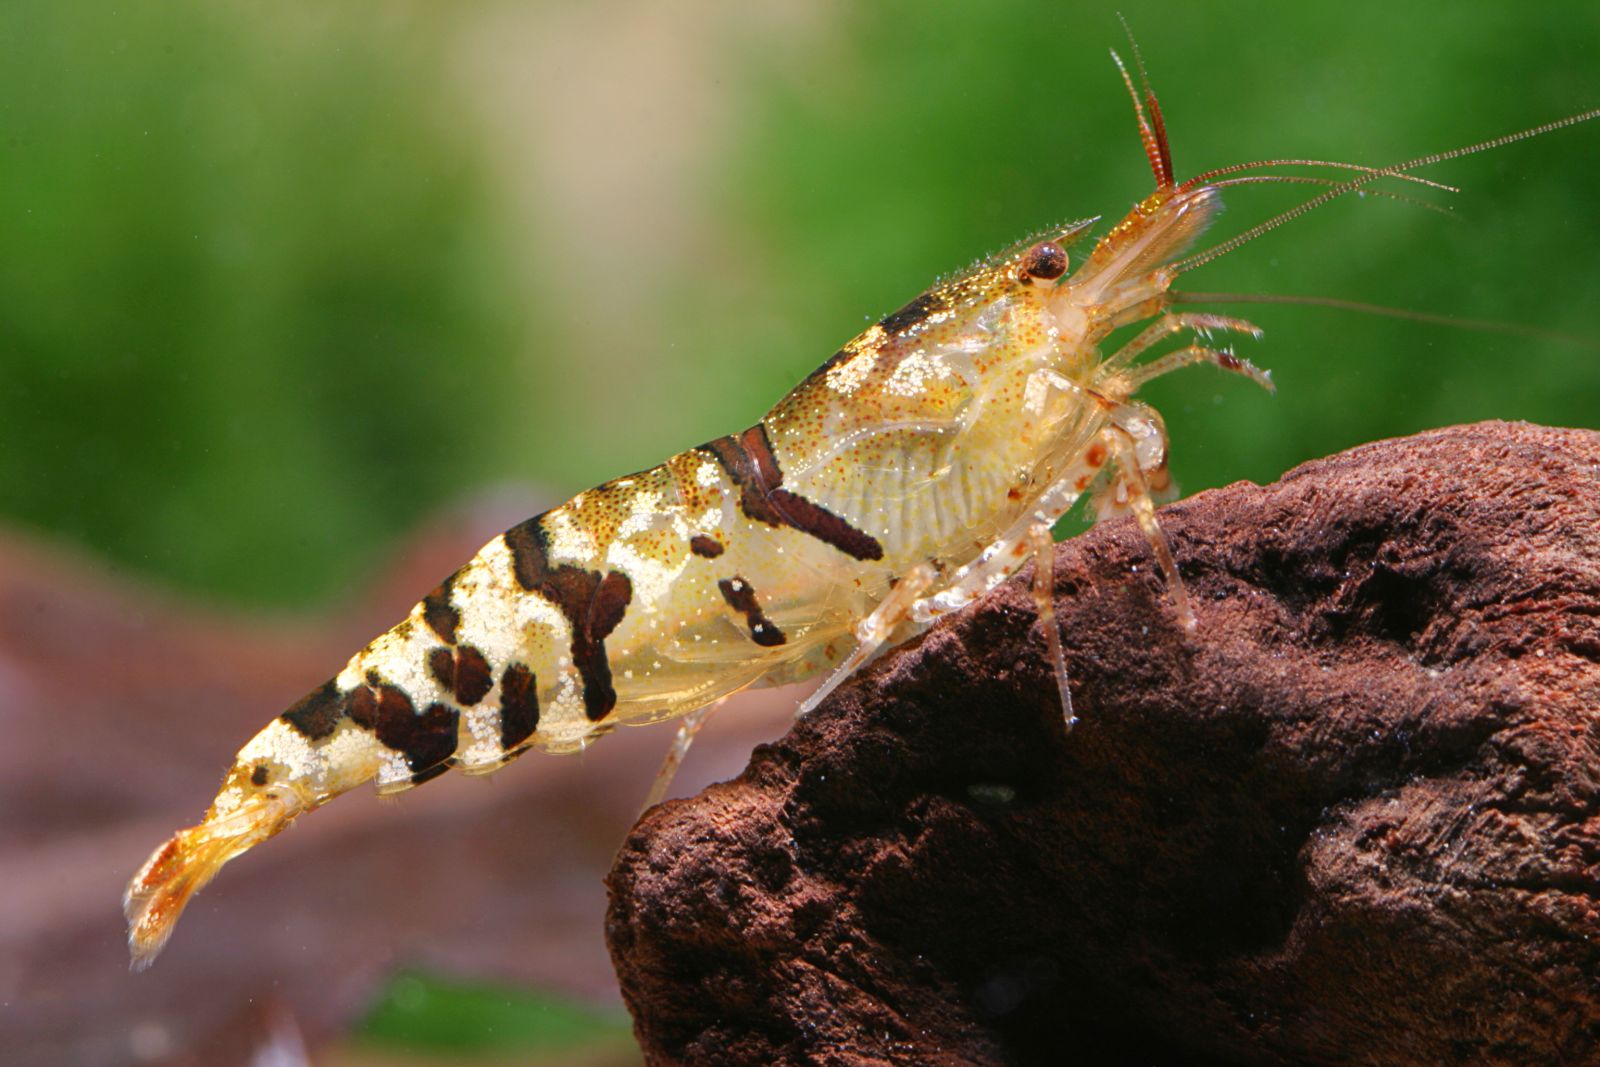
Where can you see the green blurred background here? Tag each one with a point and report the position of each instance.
(277, 282)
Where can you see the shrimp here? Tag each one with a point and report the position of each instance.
(915, 470)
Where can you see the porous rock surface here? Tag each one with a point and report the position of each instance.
(1353, 819)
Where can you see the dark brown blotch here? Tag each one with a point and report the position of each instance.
(519, 706)
(317, 714)
(442, 667)
(741, 597)
(464, 673)
(440, 615)
(258, 776)
(474, 679)
(594, 605)
(364, 707)
(705, 547)
(425, 740)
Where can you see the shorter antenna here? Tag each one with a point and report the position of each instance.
(1515, 329)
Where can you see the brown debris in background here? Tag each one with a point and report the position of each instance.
(1353, 819)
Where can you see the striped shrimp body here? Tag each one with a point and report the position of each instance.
(919, 467)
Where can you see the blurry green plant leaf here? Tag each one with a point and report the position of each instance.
(440, 1015)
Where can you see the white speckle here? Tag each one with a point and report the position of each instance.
(848, 375)
(652, 579)
(568, 540)
(483, 735)
(914, 373)
(283, 744)
(393, 770)
(351, 749)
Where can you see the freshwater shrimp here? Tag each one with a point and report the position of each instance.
(919, 467)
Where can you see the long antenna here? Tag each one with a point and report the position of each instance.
(1315, 202)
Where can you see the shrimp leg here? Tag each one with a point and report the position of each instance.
(1131, 447)
(1139, 445)
(1167, 325)
(874, 630)
(1044, 600)
(1133, 434)
(687, 729)
(1183, 357)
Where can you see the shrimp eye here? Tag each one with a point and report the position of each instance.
(1046, 260)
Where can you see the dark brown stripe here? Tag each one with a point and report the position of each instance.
(833, 361)
(317, 714)
(912, 314)
(593, 604)
(752, 467)
(440, 615)
(741, 597)
(758, 446)
(825, 526)
(474, 678)
(519, 706)
(708, 547)
(746, 472)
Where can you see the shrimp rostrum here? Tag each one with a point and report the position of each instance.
(915, 470)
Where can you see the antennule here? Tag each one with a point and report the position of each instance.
(1152, 150)
(1152, 127)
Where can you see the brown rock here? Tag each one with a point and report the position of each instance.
(1353, 819)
